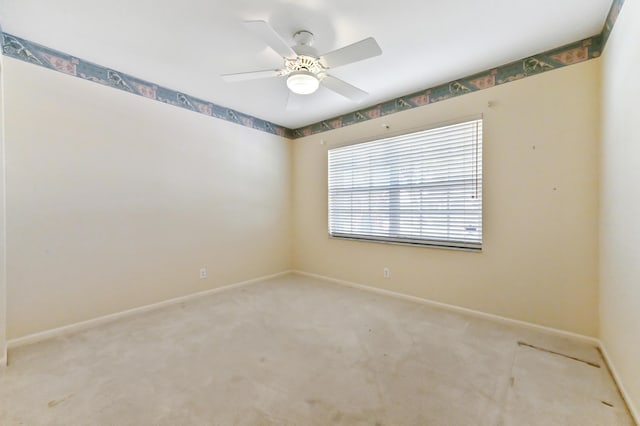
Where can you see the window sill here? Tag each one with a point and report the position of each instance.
(402, 243)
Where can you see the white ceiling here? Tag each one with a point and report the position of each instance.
(185, 45)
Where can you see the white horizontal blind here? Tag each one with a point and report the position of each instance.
(419, 188)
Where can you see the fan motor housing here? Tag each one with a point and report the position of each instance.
(304, 63)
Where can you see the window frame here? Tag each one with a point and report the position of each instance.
(428, 243)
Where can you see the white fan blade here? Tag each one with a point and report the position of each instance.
(294, 102)
(363, 49)
(266, 33)
(343, 88)
(251, 75)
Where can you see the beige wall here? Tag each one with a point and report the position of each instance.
(116, 201)
(620, 206)
(3, 270)
(539, 262)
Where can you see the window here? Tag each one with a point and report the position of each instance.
(421, 188)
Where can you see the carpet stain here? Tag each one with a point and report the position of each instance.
(55, 402)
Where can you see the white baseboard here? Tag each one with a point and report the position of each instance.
(83, 325)
(616, 377)
(478, 314)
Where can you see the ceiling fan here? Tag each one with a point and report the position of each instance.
(305, 69)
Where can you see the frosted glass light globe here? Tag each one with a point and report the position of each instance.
(302, 82)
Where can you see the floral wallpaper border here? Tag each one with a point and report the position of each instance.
(612, 17)
(570, 54)
(553, 59)
(43, 56)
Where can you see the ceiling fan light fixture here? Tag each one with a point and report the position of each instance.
(303, 82)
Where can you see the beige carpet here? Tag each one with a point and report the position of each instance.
(300, 351)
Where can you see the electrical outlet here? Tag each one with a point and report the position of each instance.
(203, 273)
(386, 272)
